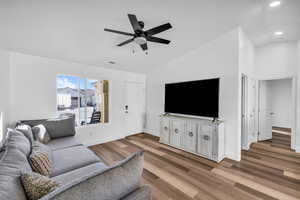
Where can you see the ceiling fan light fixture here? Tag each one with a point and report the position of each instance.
(140, 40)
(274, 4)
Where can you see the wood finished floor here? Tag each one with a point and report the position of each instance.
(265, 171)
(280, 140)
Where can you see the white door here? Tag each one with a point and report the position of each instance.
(245, 135)
(176, 132)
(265, 112)
(189, 136)
(251, 113)
(134, 108)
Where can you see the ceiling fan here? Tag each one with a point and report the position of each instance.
(140, 36)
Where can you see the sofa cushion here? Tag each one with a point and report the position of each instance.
(58, 128)
(12, 164)
(26, 130)
(40, 134)
(68, 177)
(112, 183)
(17, 140)
(64, 142)
(32, 123)
(68, 159)
(36, 186)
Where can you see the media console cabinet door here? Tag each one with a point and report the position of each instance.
(177, 129)
(205, 131)
(165, 131)
(189, 137)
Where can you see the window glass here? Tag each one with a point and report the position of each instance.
(86, 98)
(67, 95)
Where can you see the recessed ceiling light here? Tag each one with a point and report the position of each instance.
(278, 33)
(274, 4)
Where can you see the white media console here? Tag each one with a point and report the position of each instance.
(203, 137)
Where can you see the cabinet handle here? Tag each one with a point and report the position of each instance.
(191, 134)
(166, 128)
(176, 130)
(206, 137)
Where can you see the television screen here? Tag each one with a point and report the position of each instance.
(198, 98)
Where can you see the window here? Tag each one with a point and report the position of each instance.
(86, 98)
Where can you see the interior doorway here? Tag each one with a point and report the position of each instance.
(276, 112)
(249, 111)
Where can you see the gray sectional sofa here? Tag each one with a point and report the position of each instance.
(81, 173)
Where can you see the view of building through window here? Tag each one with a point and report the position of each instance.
(86, 98)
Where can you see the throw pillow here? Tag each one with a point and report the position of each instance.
(40, 159)
(26, 130)
(58, 128)
(40, 147)
(18, 140)
(40, 134)
(36, 186)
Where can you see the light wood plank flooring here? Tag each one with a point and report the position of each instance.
(265, 171)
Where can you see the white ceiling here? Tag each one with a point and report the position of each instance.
(73, 29)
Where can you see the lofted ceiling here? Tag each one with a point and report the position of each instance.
(72, 30)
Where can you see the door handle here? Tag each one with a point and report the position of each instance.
(206, 137)
(166, 128)
(191, 134)
(176, 130)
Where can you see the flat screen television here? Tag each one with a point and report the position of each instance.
(197, 98)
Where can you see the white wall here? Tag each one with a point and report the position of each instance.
(276, 60)
(4, 92)
(280, 92)
(246, 67)
(218, 58)
(246, 55)
(33, 93)
(297, 139)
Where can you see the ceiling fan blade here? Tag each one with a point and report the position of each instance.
(159, 29)
(158, 40)
(144, 46)
(125, 42)
(119, 32)
(134, 22)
